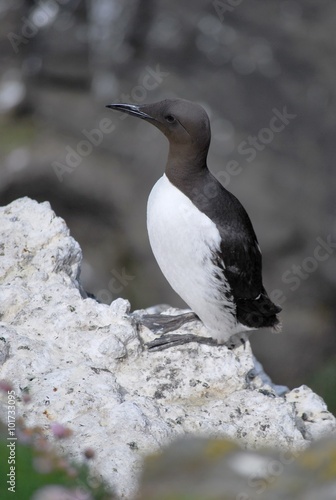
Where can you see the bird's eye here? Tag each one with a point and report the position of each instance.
(170, 119)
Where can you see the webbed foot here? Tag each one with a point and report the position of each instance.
(167, 341)
(160, 324)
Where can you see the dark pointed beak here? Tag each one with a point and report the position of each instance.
(131, 109)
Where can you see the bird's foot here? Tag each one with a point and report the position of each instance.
(160, 324)
(167, 341)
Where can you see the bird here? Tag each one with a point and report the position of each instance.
(200, 234)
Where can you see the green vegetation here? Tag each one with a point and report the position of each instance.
(38, 465)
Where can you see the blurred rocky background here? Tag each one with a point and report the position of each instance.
(264, 70)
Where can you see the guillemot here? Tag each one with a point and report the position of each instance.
(200, 234)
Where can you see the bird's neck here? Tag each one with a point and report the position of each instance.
(185, 164)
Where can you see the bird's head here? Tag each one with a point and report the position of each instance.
(184, 123)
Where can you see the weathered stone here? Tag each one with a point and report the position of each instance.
(86, 365)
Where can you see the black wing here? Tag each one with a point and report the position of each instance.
(239, 255)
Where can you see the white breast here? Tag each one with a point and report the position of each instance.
(183, 240)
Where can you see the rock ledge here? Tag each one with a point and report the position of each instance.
(85, 365)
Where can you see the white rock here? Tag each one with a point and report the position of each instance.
(313, 411)
(85, 365)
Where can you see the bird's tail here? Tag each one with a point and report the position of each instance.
(258, 313)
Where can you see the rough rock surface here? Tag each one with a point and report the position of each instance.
(86, 365)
